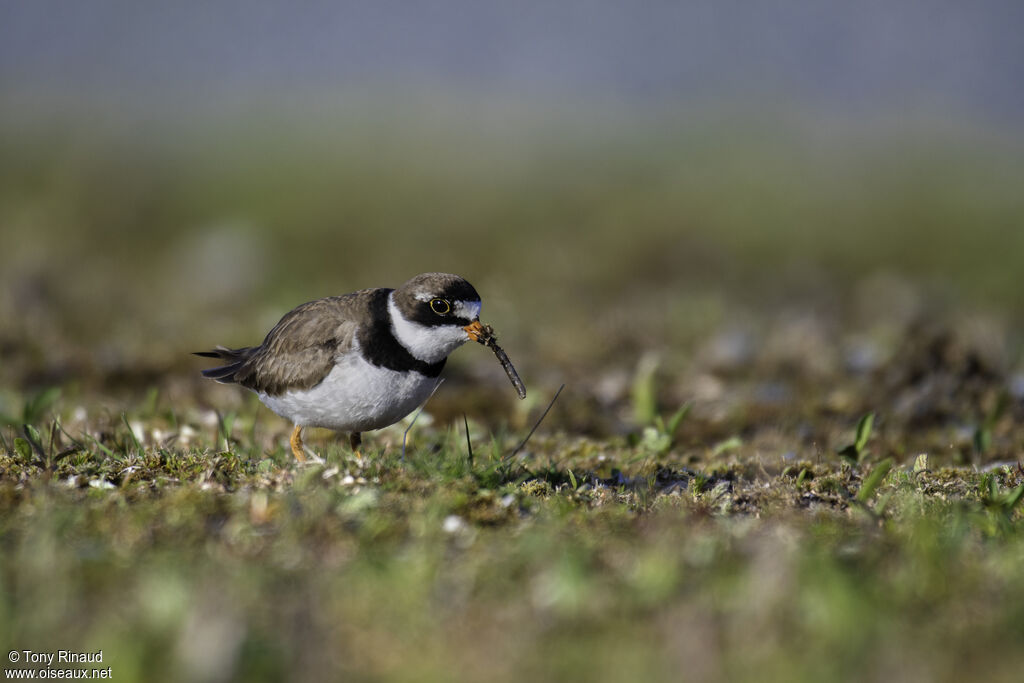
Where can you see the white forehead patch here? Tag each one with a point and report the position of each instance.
(468, 309)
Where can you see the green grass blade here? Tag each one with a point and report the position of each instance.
(131, 434)
(1014, 497)
(874, 480)
(864, 427)
(37, 406)
(677, 418)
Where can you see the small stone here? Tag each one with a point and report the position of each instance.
(453, 524)
(138, 430)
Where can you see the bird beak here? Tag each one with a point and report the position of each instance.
(475, 331)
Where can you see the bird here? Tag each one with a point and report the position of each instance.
(360, 361)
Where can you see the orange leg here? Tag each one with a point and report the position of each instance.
(354, 440)
(296, 442)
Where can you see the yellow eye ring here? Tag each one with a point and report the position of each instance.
(440, 306)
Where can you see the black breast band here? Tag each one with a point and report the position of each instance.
(380, 347)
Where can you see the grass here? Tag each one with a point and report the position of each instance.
(787, 448)
(581, 559)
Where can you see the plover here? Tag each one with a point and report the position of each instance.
(360, 361)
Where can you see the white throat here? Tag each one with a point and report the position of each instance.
(428, 343)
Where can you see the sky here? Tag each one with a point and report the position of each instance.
(871, 55)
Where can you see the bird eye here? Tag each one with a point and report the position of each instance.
(440, 306)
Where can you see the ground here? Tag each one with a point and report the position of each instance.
(788, 447)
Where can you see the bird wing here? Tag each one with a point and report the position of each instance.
(300, 350)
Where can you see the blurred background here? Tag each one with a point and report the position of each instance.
(747, 202)
(783, 214)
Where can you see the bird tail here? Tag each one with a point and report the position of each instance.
(235, 358)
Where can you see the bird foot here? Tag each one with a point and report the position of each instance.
(296, 442)
(300, 451)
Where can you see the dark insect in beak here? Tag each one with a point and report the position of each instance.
(484, 334)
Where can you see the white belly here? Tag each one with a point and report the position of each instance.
(354, 397)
